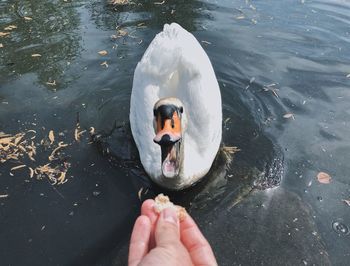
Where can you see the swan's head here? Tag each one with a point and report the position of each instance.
(169, 126)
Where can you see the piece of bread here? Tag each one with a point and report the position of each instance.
(162, 202)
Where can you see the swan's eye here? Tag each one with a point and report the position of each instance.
(181, 109)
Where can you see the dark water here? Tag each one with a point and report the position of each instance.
(302, 47)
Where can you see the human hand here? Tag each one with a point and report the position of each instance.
(165, 240)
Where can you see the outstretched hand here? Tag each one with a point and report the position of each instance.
(164, 240)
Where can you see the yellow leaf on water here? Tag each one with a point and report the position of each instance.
(1, 45)
(6, 140)
(122, 32)
(10, 27)
(18, 167)
(62, 178)
(324, 178)
(18, 139)
(36, 55)
(105, 64)
(76, 136)
(51, 136)
(103, 52)
(27, 18)
(4, 34)
(3, 134)
(31, 172)
(119, 2)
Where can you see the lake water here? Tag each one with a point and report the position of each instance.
(283, 69)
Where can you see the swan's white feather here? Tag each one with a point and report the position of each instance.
(175, 65)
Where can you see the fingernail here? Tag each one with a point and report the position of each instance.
(170, 216)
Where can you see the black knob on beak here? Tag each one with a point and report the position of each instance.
(165, 140)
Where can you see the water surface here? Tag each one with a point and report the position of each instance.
(271, 58)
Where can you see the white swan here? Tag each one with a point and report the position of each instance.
(175, 109)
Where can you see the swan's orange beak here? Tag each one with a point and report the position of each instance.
(168, 130)
(168, 136)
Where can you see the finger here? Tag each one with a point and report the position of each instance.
(139, 240)
(147, 209)
(167, 231)
(196, 244)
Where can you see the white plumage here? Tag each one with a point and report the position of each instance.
(175, 65)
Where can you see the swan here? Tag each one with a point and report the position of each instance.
(175, 109)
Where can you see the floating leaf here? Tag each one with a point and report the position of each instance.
(1, 45)
(62, 178)
(103, 52)
(18, 139)
(3, 134)
(4, 34)
(6, 140)
(289, 115)
(139, 194)
(20, 147)
(119, 2)
(347, 202)
(10, 27)
(31, 172)
(240, 17)
(271, 88)
(324, 178)
(80, 133)
(230, 149)
(18, 167)
(206, 42)
(53, 153)
(36, 55)
(122, 32)
(104, 64)
(2, 196)
(51, 136)
(76, 134)
(27, 18)
(53, 83)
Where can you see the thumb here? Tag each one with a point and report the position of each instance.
(168, 228)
